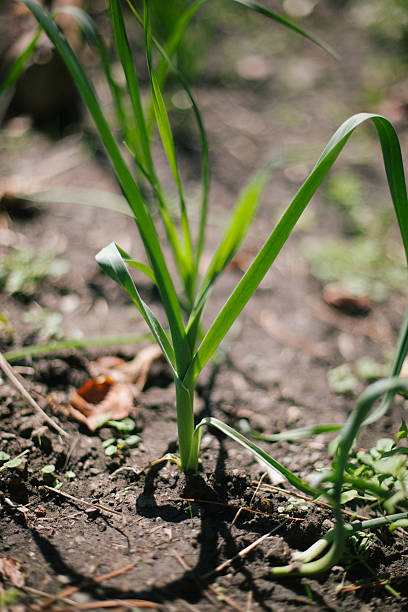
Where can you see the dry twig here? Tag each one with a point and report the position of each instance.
(62, 595)
(8, 371)
(81, 501)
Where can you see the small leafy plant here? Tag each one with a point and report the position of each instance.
(185, 345)
(23, 269)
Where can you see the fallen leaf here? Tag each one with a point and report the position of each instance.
(135, 371)
(101, 399)
(341, 298)
(10, 569)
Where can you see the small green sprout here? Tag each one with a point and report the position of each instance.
(113, 446)
(48, 474)
(125, 425)
(403, 431)
(48, 469)
(70, 475)
(15, 462)
(46, 323)
(342, 380)
(24, 268)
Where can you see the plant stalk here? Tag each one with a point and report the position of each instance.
(185, 425)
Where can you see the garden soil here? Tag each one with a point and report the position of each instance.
(126, 531)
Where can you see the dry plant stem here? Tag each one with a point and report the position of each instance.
(240, 555)
(215, 503)
(39, 593)
(187, 568)
(8, 371)
(74, 589)
(127, 604)
(234, 520)
(82, 501)
(317, 502)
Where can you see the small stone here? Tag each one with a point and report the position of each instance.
(62, 579)
(92, 512)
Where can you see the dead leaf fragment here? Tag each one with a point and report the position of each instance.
(101, 399)
(135, 371)
(11, 570)
(341, 298)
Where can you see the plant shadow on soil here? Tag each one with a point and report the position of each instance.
(176, 545)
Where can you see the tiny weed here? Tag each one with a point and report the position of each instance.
(23, 269)
(46, 324)
(15, 462)
(381, 471)
(341, 379)
(115, 445)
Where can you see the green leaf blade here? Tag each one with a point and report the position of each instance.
(112, 263)
(282, 20)
(239, 223)
(262, 262)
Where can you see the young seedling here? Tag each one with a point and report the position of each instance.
(184, 346)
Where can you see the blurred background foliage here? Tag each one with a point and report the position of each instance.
(263, 92)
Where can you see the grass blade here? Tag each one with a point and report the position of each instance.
(166, 135)
(267, 13)
(261, 264)
(98, 198)
(205, 171)
(112, 263)
(74, 343)
(240, 220)
(122, 45)
(20, 63)
(144, 222)
(293, 434)
(401, 351)
(259, 453)
(94, 40)
(174, 40)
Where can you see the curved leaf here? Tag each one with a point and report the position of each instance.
(94, 40)
(112, 263)
(125, 56)
(240, 220)
(258, 452)
(266, 256)
(144, 221)
(264, 11)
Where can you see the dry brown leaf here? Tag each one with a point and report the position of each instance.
(339, 297)
(242, 260)
(101, 399)
(10, 569)
(135, 371)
